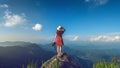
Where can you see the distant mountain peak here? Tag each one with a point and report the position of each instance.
(64, 62)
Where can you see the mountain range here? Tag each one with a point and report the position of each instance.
(17, 54)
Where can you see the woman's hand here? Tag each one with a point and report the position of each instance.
(63, 29)
(53, 44)
(54, 38)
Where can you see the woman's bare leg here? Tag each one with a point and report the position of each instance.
(61, 50)
(58, 50)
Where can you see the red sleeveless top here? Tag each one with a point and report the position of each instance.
(59, 39)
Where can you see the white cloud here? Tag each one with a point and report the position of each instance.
(37, 27)
(109, 37)
(102, 2)
(12, 20)
(97, 2)
(105, 38)
(4, 6)
(75, 38)
(72, 38)
(87, 0)
(114, 33)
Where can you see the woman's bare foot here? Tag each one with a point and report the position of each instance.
(61, 53)
(58, 55)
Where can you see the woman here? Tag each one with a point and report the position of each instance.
(59, 40)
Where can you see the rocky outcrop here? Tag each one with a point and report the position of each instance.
(64, 61)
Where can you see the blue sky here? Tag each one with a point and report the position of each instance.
(37, 20)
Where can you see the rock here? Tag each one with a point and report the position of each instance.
(62, 62)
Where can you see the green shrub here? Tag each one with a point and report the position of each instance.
(31, 65)
(56, 64)
(103, 64)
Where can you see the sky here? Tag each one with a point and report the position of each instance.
(37, 20)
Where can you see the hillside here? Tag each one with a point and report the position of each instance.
(65, 62)
(16, 56)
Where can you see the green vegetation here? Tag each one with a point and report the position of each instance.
(56, 64)
(103, 64)
(31, 65)
(51, 64)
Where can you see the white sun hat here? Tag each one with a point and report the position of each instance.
(59, 28)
